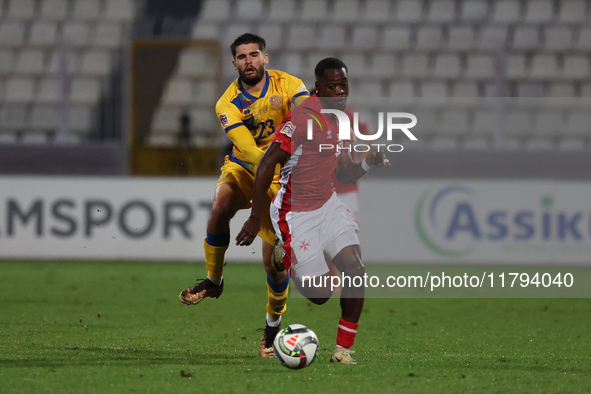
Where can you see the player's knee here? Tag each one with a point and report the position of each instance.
(221, 213)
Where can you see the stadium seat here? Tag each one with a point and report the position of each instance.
(526, 37)
(204, 119)
(460, 38)
(530, 89)
(557, 38)
(368, 89)
(55, 62)
(415, 65)
(578, 123)
(8, 137)
(19, 90)
(560, 89)
(281, 10)
(196, 62)
(205, 92)
(465, 89)
(120, 10)
(377, 11)
(85, 10)
(45, 118)
(538, 11)
(54, 10)
(43, 34)
(76, 34)
(549, 122)
(515, 66)
(34, 138)
(426, 122)
(315, 56)
(29, 62)
(49, 91)
(21, 9)
(584, 39)
(474, 10)
(511, 144)
(401, 89)
(572, 11)
(273, 35)
(12, 34)
(162, 140)
(576, 66)
(364, 38)
(538, 144)
(85, 91)
(80, 119)
(409, 11)
(178, 91)
(250, 9)
(396, 38)
(204, 30)
(429, 37)
(383, 65)
(107, 35)
(484, 122)
(166, 120)
(96, 62)
(476, 144)
(506, 11)
(232, 32)
(544, 66)
(433, 89)
(442, 11)
(518, 123)
(300, 37)
(447, 66)
(492, 37)
(480, 67)
(346, 11)
(6, 62)
(13, 117)
(454, 122)
(314, 10)
(330, 37)
(67, 139)
(571, 144)
(586, 90)
(293, 63)
(356, 63)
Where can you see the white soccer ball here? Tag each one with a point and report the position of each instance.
(296, 346)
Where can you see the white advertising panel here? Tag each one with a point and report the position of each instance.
(110, 218)
(455, 221)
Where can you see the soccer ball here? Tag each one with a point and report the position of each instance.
(296, 346)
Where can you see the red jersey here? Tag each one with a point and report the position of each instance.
(306, 177)
(339, 186)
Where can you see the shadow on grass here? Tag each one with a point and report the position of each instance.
(93, 356)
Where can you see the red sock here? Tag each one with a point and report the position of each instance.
(346, 333)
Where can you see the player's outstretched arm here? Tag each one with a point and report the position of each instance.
(263, 178)
(347, 171)
(243, 139)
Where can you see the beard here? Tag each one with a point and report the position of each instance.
(253, 79)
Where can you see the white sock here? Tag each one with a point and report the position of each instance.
(216, 281)
(273, 323)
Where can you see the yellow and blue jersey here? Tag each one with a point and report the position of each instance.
(250, 121)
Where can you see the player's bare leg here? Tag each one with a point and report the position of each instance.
(349, 262)
(277, 291)
(228, 199)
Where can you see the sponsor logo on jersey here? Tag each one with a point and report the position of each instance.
(224, 120)
(276, 101)
(288, 129)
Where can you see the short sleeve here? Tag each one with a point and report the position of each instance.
(228, 115)
(296, 88)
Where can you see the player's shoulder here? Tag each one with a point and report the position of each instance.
(229, 95)
(282, 77)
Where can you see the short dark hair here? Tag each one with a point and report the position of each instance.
(248, 38)
(330, 63)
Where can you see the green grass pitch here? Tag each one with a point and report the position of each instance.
(104, 327)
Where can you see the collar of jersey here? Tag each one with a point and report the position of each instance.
(263, 93)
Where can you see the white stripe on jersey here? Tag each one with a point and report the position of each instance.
(286, 175)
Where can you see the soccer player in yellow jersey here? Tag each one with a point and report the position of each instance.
(249, 111)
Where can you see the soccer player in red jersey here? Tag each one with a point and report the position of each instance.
(306, 212)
